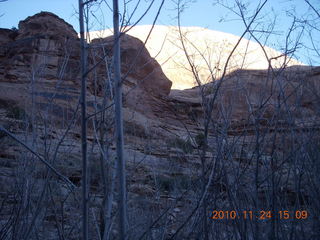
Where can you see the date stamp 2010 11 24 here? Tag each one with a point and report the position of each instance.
(260, 215)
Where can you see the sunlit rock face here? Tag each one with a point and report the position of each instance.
(208, 51)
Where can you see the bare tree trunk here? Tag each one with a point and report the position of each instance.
(118, 121)
(83, 126)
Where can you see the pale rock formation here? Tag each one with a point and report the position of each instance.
(207, 49)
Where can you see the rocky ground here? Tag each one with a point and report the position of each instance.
(259, 151)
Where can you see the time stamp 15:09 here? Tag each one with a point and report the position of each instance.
(260, 215)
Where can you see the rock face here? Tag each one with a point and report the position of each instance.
(47, 24)
(143, 80)
(263, 123)
(248, 95)
(37, 48)
(45, 50)
(7, 35)
(137, 62)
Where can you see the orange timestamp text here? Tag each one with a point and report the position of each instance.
(259, 215)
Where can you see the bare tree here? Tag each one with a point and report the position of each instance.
(85, 195)
(111, 90)
(119, 121)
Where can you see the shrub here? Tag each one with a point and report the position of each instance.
(184, 145)
(200, 139)
(15, 112)
(176, 181)
(135, 129)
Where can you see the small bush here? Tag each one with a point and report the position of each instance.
(165, 184)
(14, 29)
(200, 139)
(16, 112)
(132, 128)
(184, 145)
(177, 181)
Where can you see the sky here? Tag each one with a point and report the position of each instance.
(201, 13)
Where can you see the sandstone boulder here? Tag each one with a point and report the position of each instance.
(136, 63)
(44, 47)
(48, 24)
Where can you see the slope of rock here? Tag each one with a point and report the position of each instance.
(144, 82)
(137, 64)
